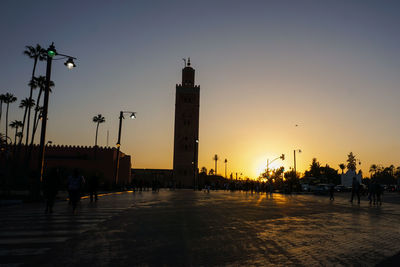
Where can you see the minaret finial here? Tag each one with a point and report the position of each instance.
(184, 60)
(188, 61)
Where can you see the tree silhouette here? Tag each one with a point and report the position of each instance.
(342, 167)
(315, 169)
(8, 98)
(2, 141)
(98, 119)
(216, 158)
(351, 162)
(203, 170)
(373, 169)
(25, 104)
(37, 54)
(15, 125)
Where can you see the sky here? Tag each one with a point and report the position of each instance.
(330, 67)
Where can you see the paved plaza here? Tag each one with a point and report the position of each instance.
(187, 228)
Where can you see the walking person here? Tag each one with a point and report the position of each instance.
(93, 184)
(75, 184)
(50, 189)
(372, 192)
(331, 191)
(355, 190)
(379, 191)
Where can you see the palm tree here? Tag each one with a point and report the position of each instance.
(8, 98)
(25, 104)
(37, 54)
(203, 170)
(2, 100)
(98, 119)
(16, 124)
(40, 82)
(373, 168)
(215, 158)
(342, 167)
(2, 141)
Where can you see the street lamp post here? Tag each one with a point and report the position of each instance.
(282, 157)
(294, 153)
(121, 116)
(226, 163)
(51, 53)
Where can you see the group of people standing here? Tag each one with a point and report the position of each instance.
(76, 184)
(375, 192)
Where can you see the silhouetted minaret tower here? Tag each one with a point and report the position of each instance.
(186, 129)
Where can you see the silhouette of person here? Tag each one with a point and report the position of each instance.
(372, 192)
(93, 184)
(331, 191)
(355, 190)
(50, 189)
(75, 183)
(378, 191)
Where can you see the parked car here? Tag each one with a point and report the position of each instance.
(322, 189)
(390, 188)
(305, 187)
(340, 188)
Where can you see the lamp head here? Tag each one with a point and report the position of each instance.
(133, 115)
(70, 63)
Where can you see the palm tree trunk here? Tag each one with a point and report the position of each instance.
(35, 117)
(35, 126)
(23, 125)
(97, 129)
(30, 100)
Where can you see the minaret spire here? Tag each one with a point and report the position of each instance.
(188, 74)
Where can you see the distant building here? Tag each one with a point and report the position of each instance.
(186, 134)
(88, 160)
(347, 178)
